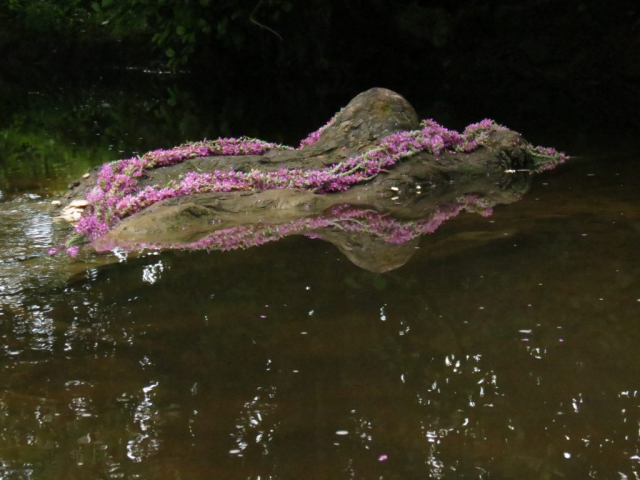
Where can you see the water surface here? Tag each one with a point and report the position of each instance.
(504, 348)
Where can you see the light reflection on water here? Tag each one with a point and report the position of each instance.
(505, 348)
(26, 233)
(192, 373)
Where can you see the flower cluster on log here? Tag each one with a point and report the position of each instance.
(117, 195)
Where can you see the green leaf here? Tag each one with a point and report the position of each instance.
(106, 3)
(180, 30)
(170, 53)
(95, 6)
(162, 38)
(204, 3)
(222, 27)
(286, 6)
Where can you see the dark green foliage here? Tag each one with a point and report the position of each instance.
(536, 54)
(172, 29)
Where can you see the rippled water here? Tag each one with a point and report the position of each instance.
(504, 348)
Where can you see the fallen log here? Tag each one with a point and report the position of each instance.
(371, 181)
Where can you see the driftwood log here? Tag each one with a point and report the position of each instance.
(422, 190)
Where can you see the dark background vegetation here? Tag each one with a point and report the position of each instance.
(567, 71)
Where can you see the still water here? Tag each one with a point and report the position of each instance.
(504, 348)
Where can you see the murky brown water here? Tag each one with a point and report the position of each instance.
(504, 348)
